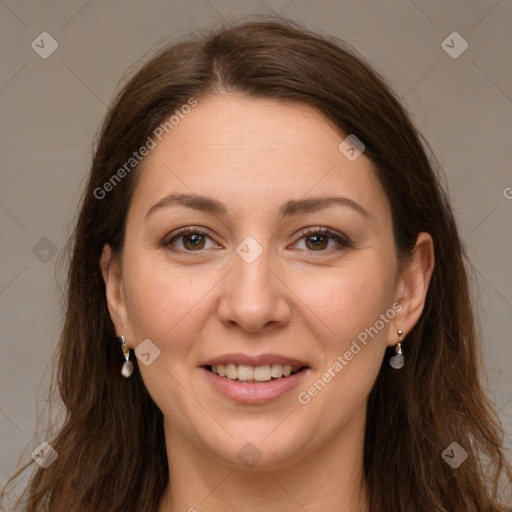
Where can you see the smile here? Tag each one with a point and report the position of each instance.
(253, 374)
(249, 390)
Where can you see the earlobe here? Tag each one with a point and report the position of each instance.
(112, 276)
(414, 284)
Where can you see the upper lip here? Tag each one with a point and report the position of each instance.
(259, 360)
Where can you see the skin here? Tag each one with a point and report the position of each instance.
(295, 300)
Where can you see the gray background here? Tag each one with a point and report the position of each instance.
(51, 109)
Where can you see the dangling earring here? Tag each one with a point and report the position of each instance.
(127, 368)
(397, 361)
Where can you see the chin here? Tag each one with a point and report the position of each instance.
(265, 450)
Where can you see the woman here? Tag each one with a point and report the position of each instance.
(262, 226)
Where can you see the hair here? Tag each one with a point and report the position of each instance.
(412, 415)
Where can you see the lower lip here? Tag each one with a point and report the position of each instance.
(257, 393)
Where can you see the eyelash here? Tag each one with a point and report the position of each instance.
(342, 241)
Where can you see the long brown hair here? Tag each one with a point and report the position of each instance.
(111, 447)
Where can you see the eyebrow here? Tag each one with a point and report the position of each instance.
(287, 209)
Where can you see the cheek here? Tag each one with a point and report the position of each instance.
(350, 300)
(163, 300)
(352, 343)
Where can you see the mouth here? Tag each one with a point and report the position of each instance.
(255, 379)
(248, 374)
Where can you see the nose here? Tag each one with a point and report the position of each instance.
(253, 296)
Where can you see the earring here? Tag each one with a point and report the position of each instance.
(397, 361)
(127, 368)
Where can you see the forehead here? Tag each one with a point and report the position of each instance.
(254, 152)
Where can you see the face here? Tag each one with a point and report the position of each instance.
(265, 280)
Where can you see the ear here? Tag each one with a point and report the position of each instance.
(112, 275)
(413, 286)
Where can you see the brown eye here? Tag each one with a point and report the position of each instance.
(318, 240)
(193, 240)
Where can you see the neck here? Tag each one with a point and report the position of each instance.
(331, 478)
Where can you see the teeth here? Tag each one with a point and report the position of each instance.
(232, 371)
(245, 372)
(277, 370)
(262, 373)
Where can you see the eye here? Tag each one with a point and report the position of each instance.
(317, 239)
(193, 239)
